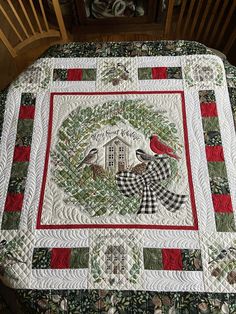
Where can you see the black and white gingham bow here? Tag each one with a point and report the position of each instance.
(149, 186)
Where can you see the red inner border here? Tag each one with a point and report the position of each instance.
(121, 226)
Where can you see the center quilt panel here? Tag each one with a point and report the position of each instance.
(118, 159)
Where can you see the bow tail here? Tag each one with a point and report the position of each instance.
(171, 201)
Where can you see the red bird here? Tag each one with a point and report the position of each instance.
(160, 148)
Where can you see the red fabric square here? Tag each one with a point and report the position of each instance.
(60, 258)
(172, 259)
(74, 74)
(26, 112)
(159, 73)
(14, 202)
(222, 203)
(208, 109)
(21, 153)
(214, 153)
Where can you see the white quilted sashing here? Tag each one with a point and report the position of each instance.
(16, 256)
(117, 74)
(161, 280)
(219, 261)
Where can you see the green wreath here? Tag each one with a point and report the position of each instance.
(101, 196)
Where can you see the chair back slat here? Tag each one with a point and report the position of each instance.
(212, 18)
(230, 42)
(180, 19)
(203, 19)
(60, 21)
(10, 23)
(195, 19)
(26, 16)
(169, 17)
(218, 21)
(7, 43)
(226, 22)
(18, 18)
(189, 16)
(36, 16)
(210, 22)
(28, 20)
(44, 15)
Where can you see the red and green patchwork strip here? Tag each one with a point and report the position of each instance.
(21, 157)
(159, 73)
(172, 259)
(216, 163)
(60, 258)
(74, 74)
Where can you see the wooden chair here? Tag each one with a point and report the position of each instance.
(211, 22)
(26, 21)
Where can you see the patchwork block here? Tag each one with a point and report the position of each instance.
(152, 258)
(74, 74)
(60, 258)
(172, 259)
(158, 73)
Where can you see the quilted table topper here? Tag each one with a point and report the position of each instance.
(119, 173)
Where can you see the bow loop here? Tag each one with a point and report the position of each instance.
(129, 183)
(149, 186)
(157, 170)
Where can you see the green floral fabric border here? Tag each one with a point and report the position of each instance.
(127, 49)
(125, 302)
(3, 98)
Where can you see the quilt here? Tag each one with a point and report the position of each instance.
(119, 173)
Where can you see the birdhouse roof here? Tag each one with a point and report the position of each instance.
(117, 138)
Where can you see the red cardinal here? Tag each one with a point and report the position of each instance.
(160, 148)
